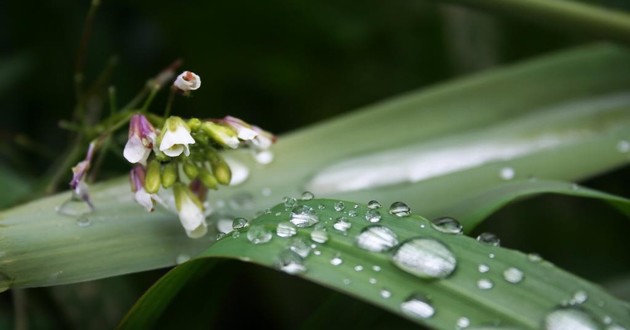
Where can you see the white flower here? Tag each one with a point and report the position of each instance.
(187, 81)
(243, 130)
(175, 137)
(190, 211)
(141, 138)
(142, 197)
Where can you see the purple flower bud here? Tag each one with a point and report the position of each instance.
(142, 136)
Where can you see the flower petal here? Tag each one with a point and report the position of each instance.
(135, 151)
(143, 198)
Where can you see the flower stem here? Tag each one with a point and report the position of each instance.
(169, 103)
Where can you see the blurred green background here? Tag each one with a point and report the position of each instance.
(281, 65)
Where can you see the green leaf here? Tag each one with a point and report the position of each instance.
(521, 291)
(539, 119)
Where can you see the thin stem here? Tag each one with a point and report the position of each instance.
(587, 19)
(80, 60)
(169, 103)
(154, 88)
(111, 91)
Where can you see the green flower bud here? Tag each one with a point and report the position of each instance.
(208, 180)
(194, 123)
(191, 170)
(220, 168)
(224, 136)
(152, 180)
(169, 175)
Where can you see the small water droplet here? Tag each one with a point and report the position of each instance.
(385, 294)
(491, 255)
(373, 204)
(303, 216)
(317, 252)
(84, 221)
(347, 281)
(353, 213)
(462, 323)
(513, 275)
(489, 239)
(285, 229)
(575, 186)
(483, 268)
(417, 306)
(73, 207)
(5, 282)
(579, 297)
(447, 225)
(321, 206)
(289, 202)
(342, 224)
(266, 191)
(307, 196)
(358, 268)
(376, 268)
(339, 206)
(373, 215)
(485, 284)
(319, 235)
(236, 234)
(182, 258)
(534, 257)
(258, 234)
(507, 173)
(336, 261)
(569, 318)
(399, 209)
(300, 247)
(425, 258)
(239, 223)
(607, 319)
(220, 235)
(290, 262)
(623, 146)
(376, 238)
(372, 280)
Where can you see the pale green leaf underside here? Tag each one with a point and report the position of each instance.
(521, 305)
(559, 118)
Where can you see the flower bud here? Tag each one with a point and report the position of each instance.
(194, 123)
(152, 180)
(187, 81)
(190, 211)
(169, 175)
(191, 170)
(224, 136)
(220, 168)
(207, 179)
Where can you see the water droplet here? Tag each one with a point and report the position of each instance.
(425, 258)
(236, 234)
(73, 207)
(239, 223)
(336, 261)
(447, 225)
(462, 323)
(321, 206)
(579, 297)
(376, 238)
(84, 221)
(623, 146)
(485, 284)
(373, 204)
(373, 215)
(258, 234)
(615, 327)
(491, 255)
(489, 238)
(353, 213)
(575, 186)
(513, 275)
(358, 268)
(483, 268)
(307, 196)
(319, 235)
(342, 224)
(399, 209)
(290, 262)
(385, 294)
(289, 202)
(266, 191)
(376, 268)
(347, 281)
(300, 247)
(5, 282)
(569, 318)
(417, 306)
(242, 200)
(339, 206)
(182, 258)
(285, 229)
(220, 235)
(372, 280)
(534, 257)
(303, 216)
(507, 173)
(317, 252)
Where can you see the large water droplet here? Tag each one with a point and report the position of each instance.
(489, 238)
(84, 221)
(373, 215)
(425, 258)
(569, 319)
(342, 224)
(239, 223)
(374, 204)
(5, 282)
(485, 284)
(285, 229)
(307, 196)
(303, 216)
(507, 173)
(300, 247)
(259, 234)
(447, 225)
(319, 235)
(513, 275)
(623, 146)
(417, 306)
(290, 262)
(73, 207)
(376, 239)
(339, 206)
(399, 209)
(289, 202)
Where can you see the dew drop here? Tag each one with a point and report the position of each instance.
(285, 229)
(579, 297)
(307, 196)
(385, 294)
(491, 255)
(236, 234)
(5, 282)
(534, 257)
(373, 215)
(376, 238)
(507, 173)
(373, 204)
(73, 207)
(462, 323)
(342, 224)
(358, 268)
(182, 258)
(290, 262)
(483, 268)
(513, 275)
(317, 252)
(339, 206)
(353, 213)
(399, 209)
(372, 280)
(258, 234)
(239, 223)
(319, 235)
(417, 306)
(321, 206)
(623, 146)
(376, 268)
(485, 284)
(289, 202)
(220, 235)
(489, 239)
(84, 221)
(347, 281)
(300, 247)
(569, 318)
(447, 225)
(336, 261)
(425, 258)
(266, 191)
(303, 216)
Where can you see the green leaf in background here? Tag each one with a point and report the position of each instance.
(435, 148)
(428, 273)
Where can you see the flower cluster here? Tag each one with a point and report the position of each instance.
(178, 162)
